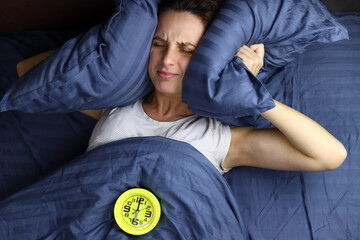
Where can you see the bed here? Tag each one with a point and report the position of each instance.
(50, 188)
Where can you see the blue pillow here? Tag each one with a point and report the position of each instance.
(104, 67)
(217, 85)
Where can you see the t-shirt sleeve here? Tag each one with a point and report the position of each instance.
(222, 140)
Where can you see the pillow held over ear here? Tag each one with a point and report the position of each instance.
(286, 27)
(104, 67)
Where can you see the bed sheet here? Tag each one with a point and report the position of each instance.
(33, 145)
(77, 201)
(325, 205)
(324, 83)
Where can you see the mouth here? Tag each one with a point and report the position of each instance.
(166, 75)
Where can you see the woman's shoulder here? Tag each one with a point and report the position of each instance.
(123, 109)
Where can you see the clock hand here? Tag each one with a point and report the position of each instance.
(137, 212)
(138, 206)
(142, 209)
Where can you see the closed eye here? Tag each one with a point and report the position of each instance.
(159, 42)
(187, 51)
(188, 48)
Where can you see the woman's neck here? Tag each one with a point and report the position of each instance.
(164, 108)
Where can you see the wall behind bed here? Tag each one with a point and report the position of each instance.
(17, 15)
(343, 5)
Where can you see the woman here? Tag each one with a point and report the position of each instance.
(298, 143)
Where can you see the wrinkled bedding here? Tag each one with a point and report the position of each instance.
(77, 201)
(323, 83)
(39, 152)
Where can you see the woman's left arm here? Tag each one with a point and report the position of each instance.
(298, 143)
(319, 149)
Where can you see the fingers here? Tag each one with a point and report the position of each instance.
(252, 57)
(245, 52)
(256, 50)
(259, 49)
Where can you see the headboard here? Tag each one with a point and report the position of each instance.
(17, 15)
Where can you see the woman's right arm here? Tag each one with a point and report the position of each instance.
(27, 64)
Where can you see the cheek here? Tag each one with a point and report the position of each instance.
(184, 63)
(153, 60)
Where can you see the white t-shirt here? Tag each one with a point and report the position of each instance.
(209, 136)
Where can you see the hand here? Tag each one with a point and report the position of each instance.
(135, 210)
(252, 57)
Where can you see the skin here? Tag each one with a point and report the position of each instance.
(27, 64)
(170, 55)
(297, 144)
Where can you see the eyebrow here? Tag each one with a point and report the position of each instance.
(188, 44)
(158, 38)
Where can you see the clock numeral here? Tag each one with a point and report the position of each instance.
(148, 207)
(129, 203)
(126, 209)
(141, 222)
(140, 200)
(126, 215)
(134, 222)
(145, 219)
(148, 214)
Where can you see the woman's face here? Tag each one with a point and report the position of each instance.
(175, 39)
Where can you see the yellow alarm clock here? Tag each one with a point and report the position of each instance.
(137, 211)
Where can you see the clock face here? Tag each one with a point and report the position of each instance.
(137, 211)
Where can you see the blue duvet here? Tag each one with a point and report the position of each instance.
(77, 201)
(43, 199)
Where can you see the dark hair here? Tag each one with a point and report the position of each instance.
(205, 9)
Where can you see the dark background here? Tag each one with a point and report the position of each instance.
(17, 15)
(343, 5)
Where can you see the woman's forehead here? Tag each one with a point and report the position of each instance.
(180, 26)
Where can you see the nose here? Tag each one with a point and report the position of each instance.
(169, 56)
